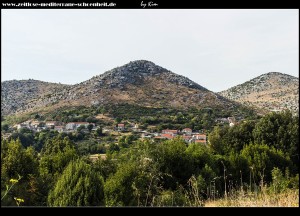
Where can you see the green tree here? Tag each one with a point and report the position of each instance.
(18, 161)
(79, 185)
(80, 128)
(262, 159)
(113, 147)
(90, 127)
(174, 162)
(280, 130)
(135, 183)
(118, 188)
(4, 127)
(25, 136)
(217, 141)
(56, 154)
(99, 132)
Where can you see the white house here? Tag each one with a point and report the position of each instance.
(75, 125)
(167, 131)
(50, 124)
(60, 129)
(187, 131)
(198, 138)
(121, 127)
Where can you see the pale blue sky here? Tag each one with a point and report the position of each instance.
(215, 48)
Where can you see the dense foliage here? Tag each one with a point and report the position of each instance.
(55, 168)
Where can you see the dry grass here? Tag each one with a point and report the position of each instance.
(104, 118)
(289, 198)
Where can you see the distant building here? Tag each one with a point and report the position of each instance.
(51, 124)
(35, 124)
(146, 135)
(200, 141)
(168, 136)
(231, 120)
(40, 129)
(121, 127)
(222, 120)
(199, 138)
(186, 138)
(60, 129)
(167, 131)
(22, 125)
(187, 131)
(71, 126)
(75, 125)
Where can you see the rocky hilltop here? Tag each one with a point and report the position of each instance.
(272, 91)
(24, 95)
(135, 73)
(139, 82)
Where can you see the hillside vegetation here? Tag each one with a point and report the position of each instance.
(255, 162)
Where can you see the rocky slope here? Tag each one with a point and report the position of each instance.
(139, 82)
(271, 91)
(17, 95)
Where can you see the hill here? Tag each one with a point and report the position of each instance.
(139, 83)
(270, 92)
(26, 95)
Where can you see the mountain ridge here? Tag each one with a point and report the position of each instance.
(272, 91)
(139, 82)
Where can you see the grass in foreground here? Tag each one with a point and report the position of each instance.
(288, 198)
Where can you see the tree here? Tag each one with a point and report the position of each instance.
(56, 154)
(99, 132)
(105, 167)
(90, 127)
(80, 128)
(113, 147)
(79, 185)
(262, 159)
(280, 130)
(18, 161)
(25, 136)
(136, 183)
(175, 162)
(4, 127)
(118, 188)
(216, 140)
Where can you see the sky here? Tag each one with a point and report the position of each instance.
(218, 49)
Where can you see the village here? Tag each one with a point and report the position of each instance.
(187, 134)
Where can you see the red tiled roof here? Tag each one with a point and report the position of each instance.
(120, 125)
(189, 129)
(200, 141)
(168, 136)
